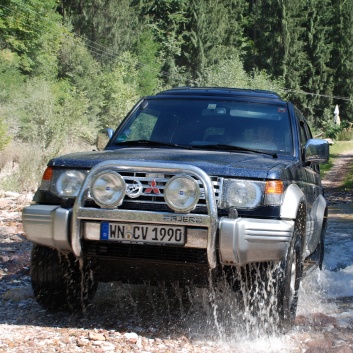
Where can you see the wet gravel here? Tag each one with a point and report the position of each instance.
(143, 319)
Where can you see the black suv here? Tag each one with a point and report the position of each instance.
(194, 184)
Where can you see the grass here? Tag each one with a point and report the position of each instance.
(336, 150)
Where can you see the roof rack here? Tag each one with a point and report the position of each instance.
(221, 91)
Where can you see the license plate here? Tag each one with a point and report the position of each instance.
(141, 233)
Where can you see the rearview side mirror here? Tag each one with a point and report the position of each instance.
(316, 151)
(103, 138)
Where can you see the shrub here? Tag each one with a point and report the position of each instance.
(119, 89)
(227, 73)
(4, 136)
(230, 73)
(21, 167)
(345, 134)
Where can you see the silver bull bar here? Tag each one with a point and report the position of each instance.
(80, 212)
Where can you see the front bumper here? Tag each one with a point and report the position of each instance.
(48, 225)
(240, 240)
(246, 240)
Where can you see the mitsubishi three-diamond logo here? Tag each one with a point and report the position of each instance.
(153, 188)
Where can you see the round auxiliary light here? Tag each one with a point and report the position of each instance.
(69, 183)
(108, 189)
(182, 193)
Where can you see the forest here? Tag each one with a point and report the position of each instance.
(71, 67)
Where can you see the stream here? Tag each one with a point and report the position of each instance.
(147, 319)
(328, 293)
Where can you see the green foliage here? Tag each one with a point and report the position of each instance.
(266, 19)
(262, 80)
(167, 19)
(345, 134)
(342, 29)
(77, 66)
(231, 73)
(4, 137)
(10, 77)
(32, 30)
(71, 111)
(336, 150)
(111, 27)
(331, 130)
(51, 115)
(319, 76)
(70, 67)
(149, 67)
(119, 88)
(227, 73)
(342, 132)
(38, 123)
(205, 34)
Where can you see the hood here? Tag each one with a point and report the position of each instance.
(220, 163)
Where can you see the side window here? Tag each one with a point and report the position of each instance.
(303, 136)
(305, 133)
(303, 129)
(308, 132)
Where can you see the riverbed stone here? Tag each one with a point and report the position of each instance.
(18, 294)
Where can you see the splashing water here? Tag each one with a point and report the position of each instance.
(223, 317)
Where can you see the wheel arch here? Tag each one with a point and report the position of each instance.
(292, 199)
(294, 207)
(321, 213)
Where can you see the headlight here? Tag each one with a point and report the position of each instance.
(69, 182)
(108, 189)
(241, 194)
(182, 193)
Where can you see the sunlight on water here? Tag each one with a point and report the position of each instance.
(338, 284)
(337, 277)
(339, 250)
(236, 322)
(312, 295)
(324, 291)
(215, 317)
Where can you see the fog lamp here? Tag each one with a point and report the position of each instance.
(108, 189)
(182, 193)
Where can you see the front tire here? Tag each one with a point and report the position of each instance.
(289, 276)
(60, 282)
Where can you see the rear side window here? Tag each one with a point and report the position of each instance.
(305, 133)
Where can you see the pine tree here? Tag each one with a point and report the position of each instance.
(342, 56)
(206, 35)
(318, 79)
(167, 21)
(149, 67)
(110, 27)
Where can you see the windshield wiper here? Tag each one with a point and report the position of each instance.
(235, 148)
(151, 143)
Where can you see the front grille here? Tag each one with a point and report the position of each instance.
(145, 191)
(144, 252)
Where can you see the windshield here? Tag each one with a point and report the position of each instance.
(208, 124)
